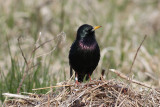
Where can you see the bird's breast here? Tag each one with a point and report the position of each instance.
(87, 46)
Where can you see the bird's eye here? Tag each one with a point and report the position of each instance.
(90, 30)
(86, 30)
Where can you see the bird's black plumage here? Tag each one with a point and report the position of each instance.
(84, 53)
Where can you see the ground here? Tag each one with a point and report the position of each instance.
(46, 30)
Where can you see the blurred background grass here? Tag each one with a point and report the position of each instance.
(124, 22)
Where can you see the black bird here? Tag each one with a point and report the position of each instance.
(84, 53)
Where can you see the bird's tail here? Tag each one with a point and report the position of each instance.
(87, 77)
(80, 78)
(71, 72)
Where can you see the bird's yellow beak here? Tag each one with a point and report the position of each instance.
(96, 27)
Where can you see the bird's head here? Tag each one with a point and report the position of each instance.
(85, 31)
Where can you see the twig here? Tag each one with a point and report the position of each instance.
(39, 36)
(25, 73)
(41, 45)
(119, 96)
(15, 95)
(128, 79)
(44, 44)
(70, 78)
(29, 62)
(102, 74)
(48, 101)
(97, 86)
(21, 50)
(51, 87)
(34, 66)
(20, 84)
(137, 53)
(46, 53)
(78, 96)
(122, 102)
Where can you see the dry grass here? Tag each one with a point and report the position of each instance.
(97, 93)
(125, 22)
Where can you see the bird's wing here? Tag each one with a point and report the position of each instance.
(71, 73)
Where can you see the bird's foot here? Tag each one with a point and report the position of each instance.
(90, 78)
(76, 79)
(77, 83)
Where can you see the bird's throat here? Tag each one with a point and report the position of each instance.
(87, 46)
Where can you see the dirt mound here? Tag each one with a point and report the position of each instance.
(99, 93)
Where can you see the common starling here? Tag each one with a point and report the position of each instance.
(84, 53)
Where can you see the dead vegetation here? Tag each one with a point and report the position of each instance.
(121, 34)
(96, 93)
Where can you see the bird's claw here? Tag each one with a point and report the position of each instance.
(77, 83)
